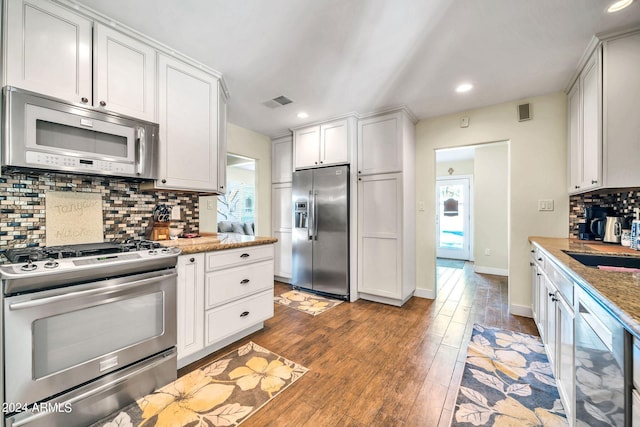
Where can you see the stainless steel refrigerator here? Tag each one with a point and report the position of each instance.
(320, 200)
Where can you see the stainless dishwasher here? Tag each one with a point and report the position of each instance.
(600, 367)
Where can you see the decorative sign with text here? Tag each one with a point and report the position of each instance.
(73, 218)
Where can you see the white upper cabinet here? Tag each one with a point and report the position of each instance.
(380, 144)
(321, 145)
(281, 160)
(188, 103)
(48, 50)
(222, 140)
(124, 74)
(621, 103)
(590, 83)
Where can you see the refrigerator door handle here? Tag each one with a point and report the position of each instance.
(315, 215)
(311, 217)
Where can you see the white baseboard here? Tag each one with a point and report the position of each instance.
(425, 293)
(521, 310)
(490, 270)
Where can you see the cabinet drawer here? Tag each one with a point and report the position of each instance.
(562, 282)
(235, 257)
(233, 283)
(231, 318)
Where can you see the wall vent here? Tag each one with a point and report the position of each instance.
(524, 112)
(278, 101)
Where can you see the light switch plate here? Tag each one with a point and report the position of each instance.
(545, 205)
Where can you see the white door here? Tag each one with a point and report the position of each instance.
(453, 225)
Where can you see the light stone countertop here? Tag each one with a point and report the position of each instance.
(216, 242)
(619, 292)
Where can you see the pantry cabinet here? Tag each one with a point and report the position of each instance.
(190, 307)
(386, 208)
(322, 145)
(54, 51)
(48, 50)
(282, 230)
(188, 101)
(281, 159)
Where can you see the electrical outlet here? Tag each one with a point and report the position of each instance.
(545, 205)
(210, 205)
(421, 206)
(487, 251)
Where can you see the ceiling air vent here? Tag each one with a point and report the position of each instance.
(276, 102)
(524, 112)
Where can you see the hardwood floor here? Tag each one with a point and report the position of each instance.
(377, 365)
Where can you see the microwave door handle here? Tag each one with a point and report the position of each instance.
(141, 147)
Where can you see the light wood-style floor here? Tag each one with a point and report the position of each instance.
(377, 365)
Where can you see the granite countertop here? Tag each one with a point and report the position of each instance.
(619, 291)
(217, 242)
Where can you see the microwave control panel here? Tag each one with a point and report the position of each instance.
(45, 160)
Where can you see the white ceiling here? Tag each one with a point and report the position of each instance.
(333, 57)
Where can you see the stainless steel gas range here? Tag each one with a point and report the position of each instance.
(86, 329)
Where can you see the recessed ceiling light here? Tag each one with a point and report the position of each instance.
(619, 5)
(464, 87)
(302, 115)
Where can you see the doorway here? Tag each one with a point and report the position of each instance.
(453, 221)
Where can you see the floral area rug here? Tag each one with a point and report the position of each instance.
(507, 381)
(308, 303)
(223, 393)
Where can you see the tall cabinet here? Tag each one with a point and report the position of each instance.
(281, 175)
(386, 207)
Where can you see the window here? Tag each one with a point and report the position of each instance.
(239, 203)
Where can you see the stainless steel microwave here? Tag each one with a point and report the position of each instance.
(46, 133)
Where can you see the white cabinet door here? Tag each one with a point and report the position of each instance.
(190, 310)
(621, 103)
(380, 235)
(281, 226)
(307, 147)
(48, 50)
(222, 140)
(124, 74)
(551, 327)
(565, 374)
(379, 144)
(591, 125)
(575, 138)
(334, 142)
(281, 160)
(188, 107)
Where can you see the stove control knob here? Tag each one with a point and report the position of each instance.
(29, 266)
(51, 263)
(153, 252)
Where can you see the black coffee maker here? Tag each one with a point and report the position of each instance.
(594, 222)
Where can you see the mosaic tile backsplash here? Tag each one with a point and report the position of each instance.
(127, 210)
(622, 202)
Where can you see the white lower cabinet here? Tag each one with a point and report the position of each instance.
(553, 300)
(190, 310)
(222, 296)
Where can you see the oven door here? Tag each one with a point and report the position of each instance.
(58, 339)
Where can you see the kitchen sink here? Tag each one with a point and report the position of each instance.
(595, 260)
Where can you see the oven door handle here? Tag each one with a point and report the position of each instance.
(89, 292)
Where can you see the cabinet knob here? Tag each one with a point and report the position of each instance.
(192, 260)
(84, 99)
(321, 162)
(551, 294)
(244, 281)
(316, 163)
(554, 299)
(244, 314)
(222, 186)
(102, 103)
(359, 171)
(576, 187)
(164, 181)
(539, 259)
(359, 179)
